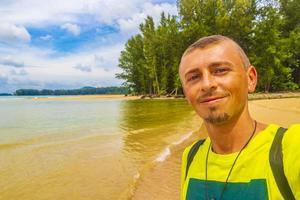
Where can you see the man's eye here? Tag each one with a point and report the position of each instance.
(193, 77)
(221, 70)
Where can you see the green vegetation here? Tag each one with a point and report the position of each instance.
(268, 30)
(81, 91)
(5, 94)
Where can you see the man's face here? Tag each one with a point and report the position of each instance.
(216, 82)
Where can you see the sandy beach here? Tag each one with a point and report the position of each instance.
(87, 97)
(162, 182)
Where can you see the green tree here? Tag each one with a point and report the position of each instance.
(149, 50)
(132, 63)
(269, 52)
(290, 11)
(268, 30)
(169, 52)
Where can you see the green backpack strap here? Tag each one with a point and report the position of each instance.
(276, 162)
(192, 154)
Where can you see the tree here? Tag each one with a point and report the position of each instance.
(269, 52)
(268, 31)
(149, 50)
(132, 62)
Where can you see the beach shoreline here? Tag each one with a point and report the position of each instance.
(277, 95)
(87, 97)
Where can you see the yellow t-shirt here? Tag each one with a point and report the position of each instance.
(251, 177)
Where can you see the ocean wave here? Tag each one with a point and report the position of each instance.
(184, 138)
(163, 155)
(146, 168)
(167, 151)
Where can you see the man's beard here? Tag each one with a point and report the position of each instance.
(214, 118)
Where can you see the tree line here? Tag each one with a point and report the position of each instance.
(268, 31)
(81, 91)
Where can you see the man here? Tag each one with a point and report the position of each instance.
(233, 162)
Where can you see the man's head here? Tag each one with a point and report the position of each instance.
(216, 76)
(215, 39)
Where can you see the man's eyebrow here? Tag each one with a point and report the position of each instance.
(218, 63)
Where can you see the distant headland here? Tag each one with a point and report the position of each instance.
(88, 90)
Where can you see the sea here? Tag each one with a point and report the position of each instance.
(88, 149)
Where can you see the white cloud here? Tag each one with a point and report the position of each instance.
(131, 24)
(20, 72)
(9, 61)
(46, 37)
(11, 33)
(71, 28)
(38, 13)
(109, 11)
(84, 68)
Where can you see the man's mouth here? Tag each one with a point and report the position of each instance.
(211, 100)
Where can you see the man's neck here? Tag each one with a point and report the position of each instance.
(232, 136)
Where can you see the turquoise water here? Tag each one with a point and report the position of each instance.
(23, 118)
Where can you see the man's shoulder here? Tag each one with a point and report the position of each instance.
(197, 142)
(291, 143)
(291, 154)
(292, 135)
(188, 149)
(294, 128)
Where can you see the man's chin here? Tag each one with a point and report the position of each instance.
(217, 119)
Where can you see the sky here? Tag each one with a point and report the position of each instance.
(68, 44)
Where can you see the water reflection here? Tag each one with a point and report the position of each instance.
(148, 125)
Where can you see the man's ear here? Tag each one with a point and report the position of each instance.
(252, 78)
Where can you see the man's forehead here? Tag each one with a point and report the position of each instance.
(228, 44)
(197, 54)
(213, 50)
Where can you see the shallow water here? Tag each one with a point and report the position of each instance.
(84, 149)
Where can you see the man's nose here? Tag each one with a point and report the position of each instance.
(208, 83)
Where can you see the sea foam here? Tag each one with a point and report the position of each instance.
(167, 151)
(185, 137)
(163, 155)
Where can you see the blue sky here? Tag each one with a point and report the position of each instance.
(68, 43)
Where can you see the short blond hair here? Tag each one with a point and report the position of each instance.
(216, 39)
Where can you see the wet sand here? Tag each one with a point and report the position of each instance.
(162, 182)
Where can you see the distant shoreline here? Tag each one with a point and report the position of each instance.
(85, 97)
